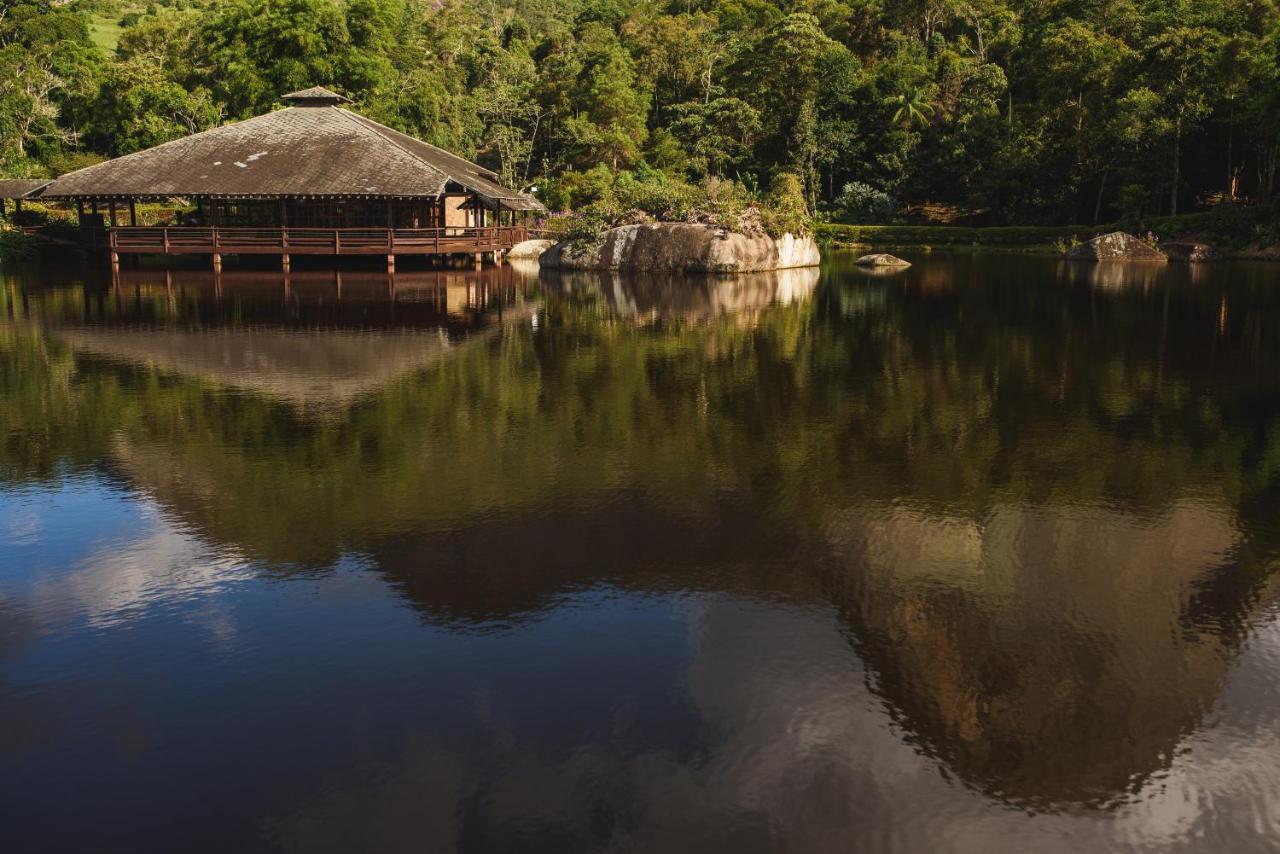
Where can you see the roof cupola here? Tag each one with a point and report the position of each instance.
(316, 96)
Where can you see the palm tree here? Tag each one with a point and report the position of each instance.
(913, 108)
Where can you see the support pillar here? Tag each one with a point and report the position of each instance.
(479, 260)
(284, 263)
(217, 263)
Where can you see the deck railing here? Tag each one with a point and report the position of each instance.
(233, 240)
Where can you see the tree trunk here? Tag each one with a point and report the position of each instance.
(1097, 206)
(1231, 127)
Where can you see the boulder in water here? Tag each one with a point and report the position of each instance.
(1117, 245)
(682, 247)
(529, 249)
(881, 259)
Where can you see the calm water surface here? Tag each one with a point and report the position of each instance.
(978, 557)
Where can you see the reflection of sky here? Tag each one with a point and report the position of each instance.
(151, 684)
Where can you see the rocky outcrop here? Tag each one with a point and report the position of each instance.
(1115, 246)
(881, 259)
(529, 249)
(682, 247)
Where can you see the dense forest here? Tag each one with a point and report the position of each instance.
(1013, 111)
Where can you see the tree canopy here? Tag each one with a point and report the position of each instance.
(1076, 111)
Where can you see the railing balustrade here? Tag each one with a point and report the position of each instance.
(233, 240)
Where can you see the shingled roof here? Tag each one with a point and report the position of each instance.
(315, 148)
(20, 188)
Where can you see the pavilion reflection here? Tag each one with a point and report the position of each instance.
(460, 297)
(317, 340)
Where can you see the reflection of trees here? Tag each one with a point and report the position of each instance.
(1035, 513)
(1042, 651)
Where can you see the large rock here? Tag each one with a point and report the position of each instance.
(682, 247)
(529, 249)
(881, 259)
(1115, 246)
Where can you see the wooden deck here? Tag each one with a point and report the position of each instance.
(217, 240)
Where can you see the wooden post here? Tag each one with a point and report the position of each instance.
(391, 263)
(284, 263)
(217, 263)
(133, 213)
(111, 207)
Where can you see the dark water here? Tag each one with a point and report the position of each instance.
(979, 557)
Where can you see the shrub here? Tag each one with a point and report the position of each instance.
(785, 207)
(861, 203)
(654, 193)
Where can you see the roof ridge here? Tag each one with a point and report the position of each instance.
(355, 119)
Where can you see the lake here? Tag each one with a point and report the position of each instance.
(982, 556)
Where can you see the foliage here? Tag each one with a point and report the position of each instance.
(1027, 112)
(785, 206)
(861, 203)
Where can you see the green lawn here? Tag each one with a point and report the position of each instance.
(105, 31)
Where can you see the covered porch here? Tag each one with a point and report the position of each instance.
(453, 224)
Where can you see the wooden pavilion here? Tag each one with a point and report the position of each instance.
(313, 178)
